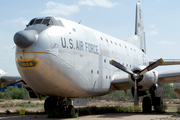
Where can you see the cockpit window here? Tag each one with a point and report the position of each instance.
(53, 22)
(60, 23)
(46, 21)
(32, 21)
(38, 21)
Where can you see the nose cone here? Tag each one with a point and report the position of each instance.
(25, 38)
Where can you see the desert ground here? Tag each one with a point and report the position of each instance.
(37, 111)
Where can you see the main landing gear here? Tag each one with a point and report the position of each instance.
(60, 104)
(148, 102)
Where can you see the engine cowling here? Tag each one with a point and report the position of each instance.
(147, 81)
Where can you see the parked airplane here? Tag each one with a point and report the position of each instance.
(63, 59)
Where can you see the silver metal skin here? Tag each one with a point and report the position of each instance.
(66, 67)
(60, 58)
(148, 80)
(24, 39)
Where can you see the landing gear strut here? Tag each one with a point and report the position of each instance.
(148, 102)
(60, 104)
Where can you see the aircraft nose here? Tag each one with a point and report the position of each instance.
(25, 38)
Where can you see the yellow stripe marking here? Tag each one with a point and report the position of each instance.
(30, 52)
(141, 24)
(28, 64)
(140, 28)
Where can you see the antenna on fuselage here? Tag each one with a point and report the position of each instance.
(80, 22)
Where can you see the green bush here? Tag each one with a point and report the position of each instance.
(178, 109)
(8, 104)
(25, 104)
(1, 95)
(29, 104)
(8, 112)
(14, 93)
(117, 96)
(168, 92)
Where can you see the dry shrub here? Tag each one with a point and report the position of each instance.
(177, 91)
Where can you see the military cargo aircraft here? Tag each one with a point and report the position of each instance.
(62, 59)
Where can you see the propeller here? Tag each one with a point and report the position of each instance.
(136, 76)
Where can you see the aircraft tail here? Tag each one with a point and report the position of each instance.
(139, 38)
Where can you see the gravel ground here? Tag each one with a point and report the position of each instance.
(121, 116)
(171, 104)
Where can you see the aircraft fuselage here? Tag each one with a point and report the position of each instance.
(71, 60)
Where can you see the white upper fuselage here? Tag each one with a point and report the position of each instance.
(73, 60)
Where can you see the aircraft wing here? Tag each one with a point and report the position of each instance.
(169, 77)
(169, 62)
(7, 79)
(121, 82)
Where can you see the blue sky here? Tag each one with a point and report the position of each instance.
(115, 17)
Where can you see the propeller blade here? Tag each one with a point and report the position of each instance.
(118, 65)
(136, 102)
(151, 66)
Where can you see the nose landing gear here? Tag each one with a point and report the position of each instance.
(62, 105)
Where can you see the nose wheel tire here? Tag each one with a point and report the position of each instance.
(50, 104)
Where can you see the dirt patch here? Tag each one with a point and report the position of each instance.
(115, 116)
(171, 104)
(12, 106)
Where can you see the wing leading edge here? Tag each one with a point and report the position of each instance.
(169, 77)
(168, 62)
(121, 82)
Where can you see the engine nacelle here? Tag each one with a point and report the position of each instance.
(147, 81)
